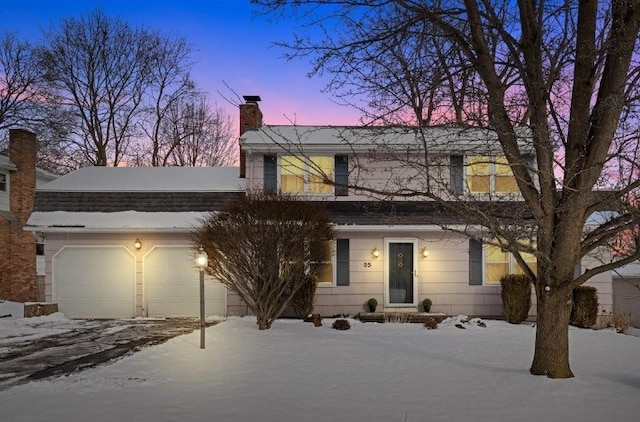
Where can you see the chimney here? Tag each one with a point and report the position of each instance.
(250, 119)
(18, 257)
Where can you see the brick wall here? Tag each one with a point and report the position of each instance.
(18, 247)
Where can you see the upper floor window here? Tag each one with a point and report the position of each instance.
(300, 174)
(490, 175)
(3, 182)
(306, 174)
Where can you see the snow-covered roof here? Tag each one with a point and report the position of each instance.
(114, 221)
(449, 139)
(149, 179)
(6, 164)
(629, 270)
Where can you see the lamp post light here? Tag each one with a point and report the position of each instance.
(202, 260)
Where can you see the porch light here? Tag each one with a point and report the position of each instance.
(202, 259)
(375, 252)
(425, 252)
(137, 244)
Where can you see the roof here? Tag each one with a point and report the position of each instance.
(111, 201)
(149, 179)
(449, 139)
(6, 164)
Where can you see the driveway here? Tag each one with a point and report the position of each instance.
(83, 344)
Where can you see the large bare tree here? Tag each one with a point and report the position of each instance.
(265, 248)
(565, 71)
(107, 73)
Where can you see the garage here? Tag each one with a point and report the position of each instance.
(94, 281)
(626, 297)
(172, 285)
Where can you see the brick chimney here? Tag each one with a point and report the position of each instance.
(250, 119)
(18, 247)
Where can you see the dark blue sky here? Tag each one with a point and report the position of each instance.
(232, 46)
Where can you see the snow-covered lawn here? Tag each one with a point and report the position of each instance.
(372, 372)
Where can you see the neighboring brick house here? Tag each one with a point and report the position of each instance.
(19, 178)
(394, 250)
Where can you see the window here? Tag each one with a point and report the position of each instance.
(3, 182)
(488, 263)
(306, 174)
(498, 263)
(490, 175)
(334, 270)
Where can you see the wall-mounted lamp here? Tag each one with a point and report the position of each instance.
(375, 252)
(425, 252)
(137, 244)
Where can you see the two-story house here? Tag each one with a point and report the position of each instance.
(118, 240)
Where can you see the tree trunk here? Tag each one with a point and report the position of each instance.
(551, 356)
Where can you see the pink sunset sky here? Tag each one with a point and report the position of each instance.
(233, 46)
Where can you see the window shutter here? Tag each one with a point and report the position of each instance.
(341, 175)
(270, 174)
(475, 263)
(456, 174)
(342, 262)
(577, 271)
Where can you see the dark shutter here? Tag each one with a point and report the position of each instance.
(475, 263)
(270, 174)
(456, 174)
(342, 262)
(342, 175)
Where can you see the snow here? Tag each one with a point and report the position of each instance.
(149, 179)
(372, 372)
(115, 221)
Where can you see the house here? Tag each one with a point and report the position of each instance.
(21, 263)
(626, 291)
(118, 245)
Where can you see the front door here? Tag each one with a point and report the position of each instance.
(401, 273)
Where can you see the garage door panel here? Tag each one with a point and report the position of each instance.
(95, 282)
(172, 285)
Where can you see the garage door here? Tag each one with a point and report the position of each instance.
(626, 297)
(172, 285)
(95, 282)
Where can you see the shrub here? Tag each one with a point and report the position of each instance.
(341, 324)
(430, 323)
(426, 304)
(516, 297)
(617, 319)
(584, 311)
(372, 303)
(302, 300)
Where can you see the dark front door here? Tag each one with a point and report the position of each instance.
(400, 273)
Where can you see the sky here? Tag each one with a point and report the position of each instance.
(388, 372)
(233, 46)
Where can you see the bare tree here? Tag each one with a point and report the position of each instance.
(22, 103)
(190, 132)
(106, 72)
(566, 71)
(265, 248)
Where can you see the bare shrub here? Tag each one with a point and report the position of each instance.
(264, 248)
(302, 300)
(618, 320)
(341, 324)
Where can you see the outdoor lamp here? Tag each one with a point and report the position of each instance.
(202, 260)
(375, 252)
(137, 244)
(425, 252)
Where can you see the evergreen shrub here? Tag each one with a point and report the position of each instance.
(584, 311)
(516, 297)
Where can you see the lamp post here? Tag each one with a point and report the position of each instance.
(201, 261)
